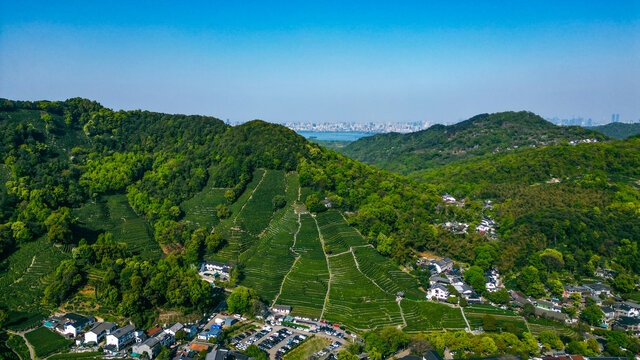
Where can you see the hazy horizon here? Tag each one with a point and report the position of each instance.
(328, 62)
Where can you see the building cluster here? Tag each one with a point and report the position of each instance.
(582, 141)
(214, 271)
(370, 127)
(446, 279)
(487, 224)
(618, 315)
(114, 340)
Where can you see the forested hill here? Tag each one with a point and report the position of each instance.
(617, 130)
(479, 135)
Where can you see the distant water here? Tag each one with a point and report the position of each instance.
(335, 135)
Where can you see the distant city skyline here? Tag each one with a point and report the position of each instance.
(360, 62)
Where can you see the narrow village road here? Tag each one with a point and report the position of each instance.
(32, 352)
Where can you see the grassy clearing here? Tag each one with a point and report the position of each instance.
(355, 301)
(306, 349)
(426, 315)
(113, 214)
(338, 235)
(45, 341)
(256, 215)
(386, 274)
(305, 287)
(25, 274)
(270, 259)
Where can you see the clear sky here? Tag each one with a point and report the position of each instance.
(439, 61)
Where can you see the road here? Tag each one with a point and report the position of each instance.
(32, 352)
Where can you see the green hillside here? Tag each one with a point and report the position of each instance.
(123, 205)
(617, 130)
(480, 135)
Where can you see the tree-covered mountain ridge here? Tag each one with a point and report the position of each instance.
(482, 134)
(617, 130)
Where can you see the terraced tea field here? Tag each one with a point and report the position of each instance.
(267, 262)
(114, 214)
(256, 214)
(26, 273)
(305, 286)
(338, 235)
(355, 301)
(200, 210)
(386, 274)
(425, 316)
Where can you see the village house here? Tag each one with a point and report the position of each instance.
(174, 329)
(98, 331)
(464, 290)
(438, 291)
(609, 312)
(122, 337)
(582, 290)
(598, 289)
(219, 269)
(437, 279)
(443, 265)
(224, 354)
(455, 280)
(74, 323)
(548, 305)
(152, 346)
(623, 309)
(626, 323)
(281, 309)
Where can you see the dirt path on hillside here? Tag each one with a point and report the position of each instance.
(32, 352)
(250, 197)
(326, 297)
(298, 256)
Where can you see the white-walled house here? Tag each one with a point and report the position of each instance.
(98, 331)
(438, 291)
(121, 337)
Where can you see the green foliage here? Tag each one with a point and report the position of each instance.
(241, 300)
(45, 341)
(618, 130)
(386, 341)
(482, 134)
(592, 315)
(529, 282)
(256, 353)
(624, 283)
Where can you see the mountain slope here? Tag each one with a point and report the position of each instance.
(617, 130)
(481, 134)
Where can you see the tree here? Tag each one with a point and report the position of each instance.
(592, 315)
(556, 287)
(529, 282)
(181, 335)
(3, 317)
(500, 296)
(552, 259)
(624, 283)
(475, 277)
(279, 201)
(528, 310)
(345, 355)
(240, 300)
(550, 339)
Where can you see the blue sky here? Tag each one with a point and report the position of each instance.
(330, 60)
